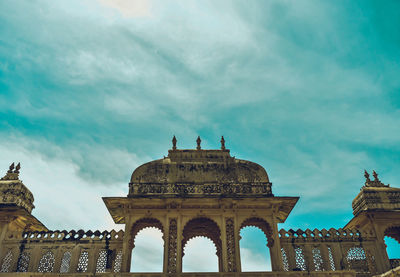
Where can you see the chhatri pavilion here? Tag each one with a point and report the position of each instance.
(198, 192)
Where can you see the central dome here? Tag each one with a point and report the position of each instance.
(199, 167)
(196, 171)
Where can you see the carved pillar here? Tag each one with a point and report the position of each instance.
(237, 244)
(171, 247)
(127, 246)
(382, 258)
(275, 247)
(230, 245)
(179, 249)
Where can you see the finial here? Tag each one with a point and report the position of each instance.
(222, 143)
(11, 168)
(375, 175)
(366, 175)
(198, 143)
(17, 168)
(174, 143)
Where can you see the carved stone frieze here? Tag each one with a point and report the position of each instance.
(220, 189)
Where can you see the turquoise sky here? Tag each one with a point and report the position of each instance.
(89, 90)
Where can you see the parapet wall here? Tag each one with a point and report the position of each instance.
(62, 251)
(329, 250)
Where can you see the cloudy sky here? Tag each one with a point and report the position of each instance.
(89, 90)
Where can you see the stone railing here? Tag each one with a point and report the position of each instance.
(62, 251)
(215, 189)
(328, 250)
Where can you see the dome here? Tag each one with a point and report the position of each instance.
(195, 170)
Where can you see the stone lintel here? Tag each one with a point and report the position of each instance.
(120, 206)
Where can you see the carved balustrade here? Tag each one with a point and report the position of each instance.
(328, 250)
(62, 251)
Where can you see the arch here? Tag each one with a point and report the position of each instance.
(262, 224)
(392, 240)
(393, 232)
(255, 255)
(203, 227)
(148, 253)
(46, 263)
(200, 255)
(141, 224)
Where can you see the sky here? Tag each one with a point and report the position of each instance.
(89, 90)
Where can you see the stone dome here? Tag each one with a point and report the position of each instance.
(199, 167)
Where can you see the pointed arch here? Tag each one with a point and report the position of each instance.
(146, 222)
(262, 224)
(203, 227)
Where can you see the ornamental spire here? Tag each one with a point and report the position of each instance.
(198, 143)
(222, 143)
(366, 175)
(12, 173)
(174, 143)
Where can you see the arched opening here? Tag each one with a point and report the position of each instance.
(254, 253)
(392, 241)
(147, 246)
(206, 228)
(200, 256)
(147, 255)
(255, 243)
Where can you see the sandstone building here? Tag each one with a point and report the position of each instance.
(199, 192)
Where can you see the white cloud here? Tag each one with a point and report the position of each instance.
(130, 8)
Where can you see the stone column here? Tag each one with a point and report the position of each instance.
(229, 245)
(237, 244)
(126, 246)
(179, 249)
(171, 246)
(275, 249)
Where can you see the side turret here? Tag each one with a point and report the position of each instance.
(14, 192)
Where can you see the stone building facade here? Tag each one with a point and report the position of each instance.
(197, 192)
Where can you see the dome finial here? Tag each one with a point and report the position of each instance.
(222, 143)
(11, 168)
(375, 176)
(174, 143)
(17, 168)
(198, 143)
